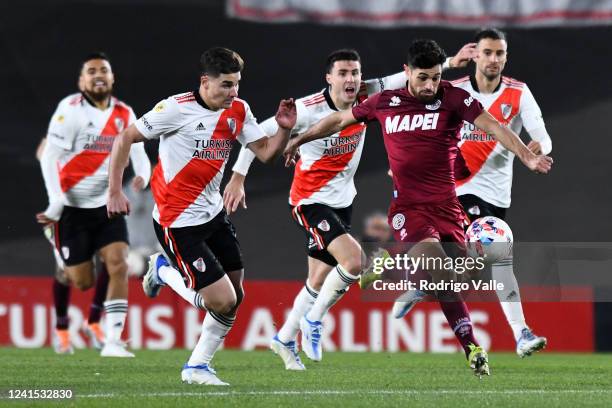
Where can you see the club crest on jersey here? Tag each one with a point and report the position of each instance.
(119, 124)
(435, 105)
(395, 101)
(398, 221)
(231, 122)
(65, 252)
(323, 226)
(199, 264)
(506, 110)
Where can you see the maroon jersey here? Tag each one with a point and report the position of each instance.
(421, 139)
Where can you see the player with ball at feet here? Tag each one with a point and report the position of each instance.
(420, 126)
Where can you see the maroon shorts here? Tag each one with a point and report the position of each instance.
(414, 223)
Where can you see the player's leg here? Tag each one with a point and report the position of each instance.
(503, 271)
(327, 229)
(92, 327)
(61, 301)
(284, 343)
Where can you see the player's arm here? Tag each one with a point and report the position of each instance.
(325, 127)
(50, 155)
(268, 148)
(460, 60)
(531, 115)
(141, 166)
(117, 203)
(512, 142)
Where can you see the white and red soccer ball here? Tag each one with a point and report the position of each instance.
(489, 238)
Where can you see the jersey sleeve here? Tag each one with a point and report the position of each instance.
(251, 130)
(467, 107)
(395, 81)
(366, 111)
(63, 127)
(163, 119)
(530, 113)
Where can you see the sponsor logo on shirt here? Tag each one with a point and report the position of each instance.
(200, 127)
(405, 123)
(212, 149)
(395, 101)
(146, 123)
(335, 146)
(468, 101)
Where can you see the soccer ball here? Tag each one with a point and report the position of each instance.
(490, 238)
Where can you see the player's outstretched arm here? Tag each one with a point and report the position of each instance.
(327, 126)
(117, 203)
(511, 141)
(467, 53)
(268, 148)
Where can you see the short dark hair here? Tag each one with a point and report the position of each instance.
(219, 60)
(95, 55)
(425, 54)
(344, 54)
(492, 33)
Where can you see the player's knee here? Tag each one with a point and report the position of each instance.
(83, 282)
(116, 265)
(352, 264)
(222, 306)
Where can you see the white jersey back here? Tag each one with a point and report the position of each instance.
(325, 171)
(195, 143)
(490, 163)
(86, 134)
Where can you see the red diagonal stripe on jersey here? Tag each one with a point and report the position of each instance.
(173, 198)
(307, 182)
(88, 162)
(476, 153)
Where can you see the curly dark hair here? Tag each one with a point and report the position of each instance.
(425, 54)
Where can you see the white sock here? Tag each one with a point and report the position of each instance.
(214, 329)
(510, 296)
(302, 304)
(116, 311)
(174, 279)
(334, 287)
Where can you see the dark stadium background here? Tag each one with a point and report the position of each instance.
(155, 47)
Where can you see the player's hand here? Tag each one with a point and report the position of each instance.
(291, 153)
(535, 147)
(41, 218)
(540, 164)
(286, 115)
(234, 195)
(51, 214)
(467, 53)
(117, 204)
(138, 184)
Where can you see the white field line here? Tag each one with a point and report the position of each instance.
(205, 393)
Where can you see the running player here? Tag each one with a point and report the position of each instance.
(79, 141)
(322, 194)
(197, 130)
(487, 190)
(62, 342)
(420, 125)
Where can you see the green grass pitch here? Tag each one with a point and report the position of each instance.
(258, 379)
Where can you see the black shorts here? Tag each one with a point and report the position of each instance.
(202, 253)
(81, 232)
(322, 224)
(475, 207)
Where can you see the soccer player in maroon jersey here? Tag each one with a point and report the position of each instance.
(420, 126)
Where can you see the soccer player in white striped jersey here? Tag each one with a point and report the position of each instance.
(75, 164)
(321, 199)
(197, 130)
(486, 192)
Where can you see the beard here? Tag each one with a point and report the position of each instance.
(425, 98)
(100, 95)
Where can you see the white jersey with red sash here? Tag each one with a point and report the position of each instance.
(86, 135)
(490, 163)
